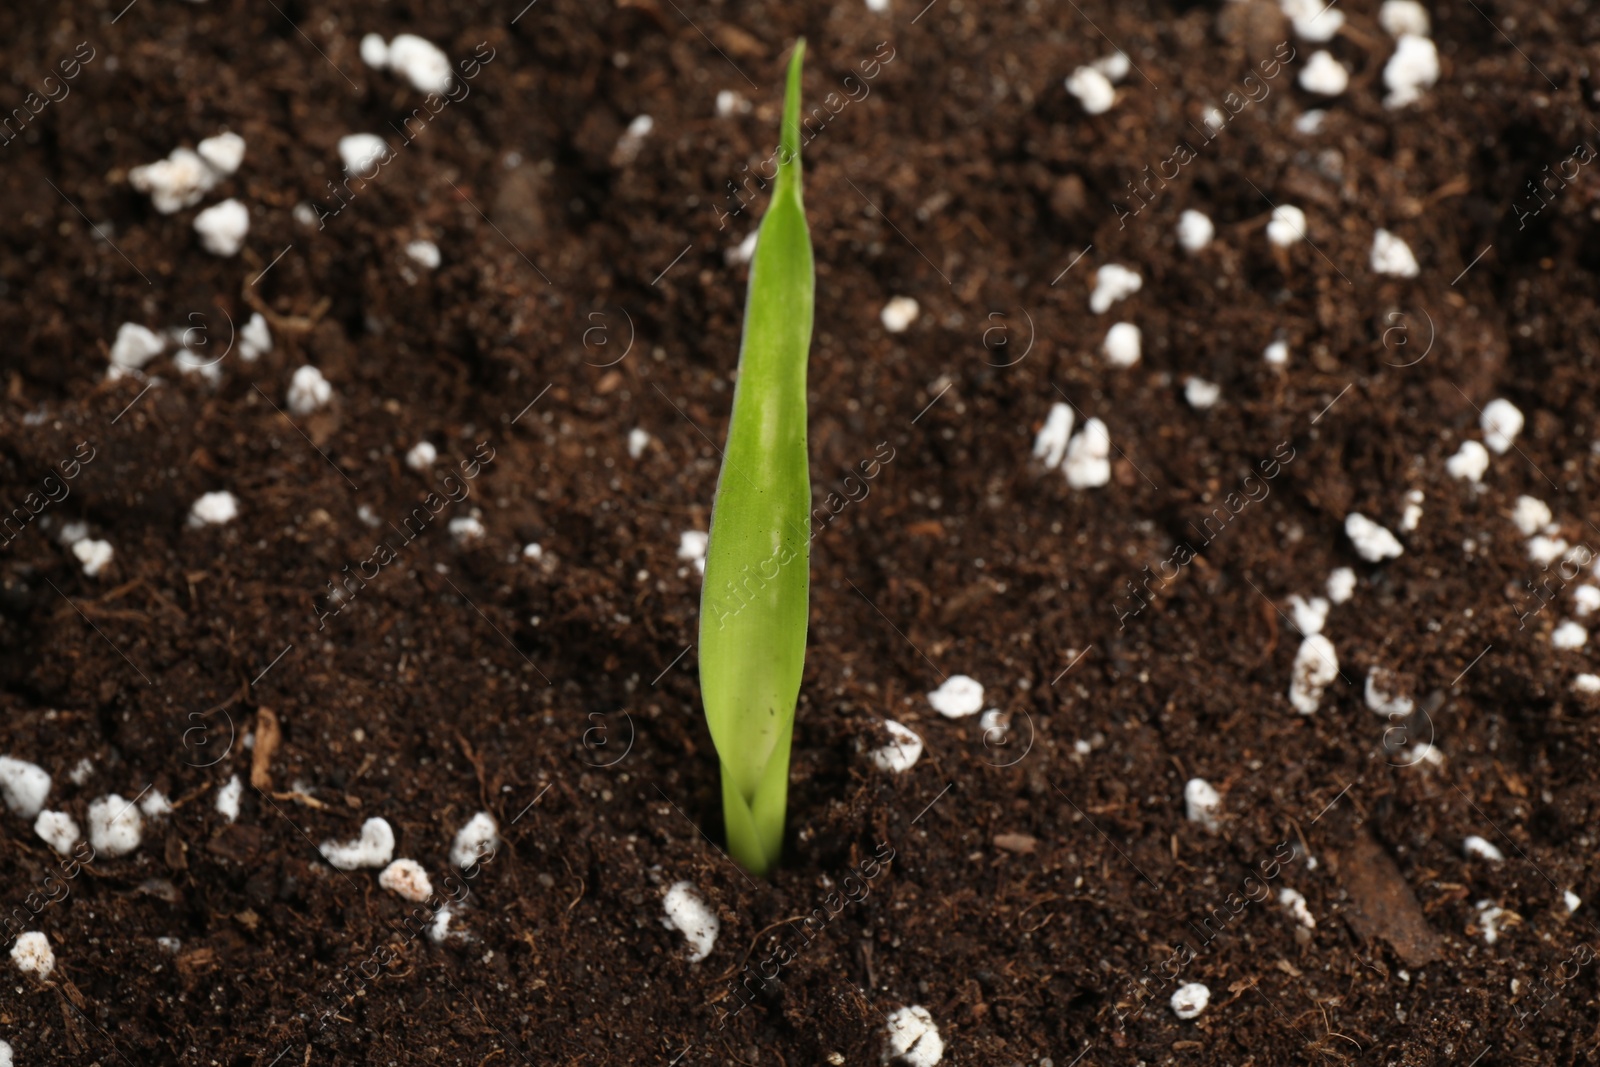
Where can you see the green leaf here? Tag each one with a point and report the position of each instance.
(755, 601)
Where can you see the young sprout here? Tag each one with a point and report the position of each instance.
(755, 602)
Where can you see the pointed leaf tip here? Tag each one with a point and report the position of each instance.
(789, 135)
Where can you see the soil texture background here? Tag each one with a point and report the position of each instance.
(589, 285)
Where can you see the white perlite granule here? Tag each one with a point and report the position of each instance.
(1324, 75)
(1530, 515)
(902, 751)
(1051, 443)
(692, 546)
(358, 151)
(375, 51)
(1546, 550)
(1195, 230)
(58, 830)
(228, 796)
(1383, 694)
(1295, 901)
(913, 1038)
(1469, 462)
(1113, 282)
(440, 929)
(1373, 542)
(406, 878)
(222, 153)
(95, 555)
(374, 848)
(1310, 616)
(174, 183)
(23, 785)
(1287, 226)
(1569, 636)
(1492, 919)
(1202, 803)
(1391, 255)
(1399, 17)
(214, 509)
(1413, 513)
(420, 62)
(1316, 21)
(958, 697)
(899, 313)
(115, 826)
(1093, 90)
(1190, 1000)
(32, 954)
(638, 441)
(632, 141)
(477, 839)
(422, 456)
(255, 340)
(424, 254)
(1501, 422)
(743, 252)
(308, 391)
(1115, 66)
(1201, 394)
(1088, 462)
(1315, 666)
(730, 103)
(1413, 68)
(688, 914)
(1122, 345)
(135, 346)
(222, 227)
(1311, 122)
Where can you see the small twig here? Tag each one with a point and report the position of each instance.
(1030, 907)
(477, 764)
(268, 737)
(752, 948)
(300, 798)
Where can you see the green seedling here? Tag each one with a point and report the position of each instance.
(755, 602)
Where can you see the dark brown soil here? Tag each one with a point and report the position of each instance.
(468, 678)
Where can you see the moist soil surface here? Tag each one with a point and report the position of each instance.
(1042, 861)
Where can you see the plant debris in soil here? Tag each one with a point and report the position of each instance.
(1317, 532)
